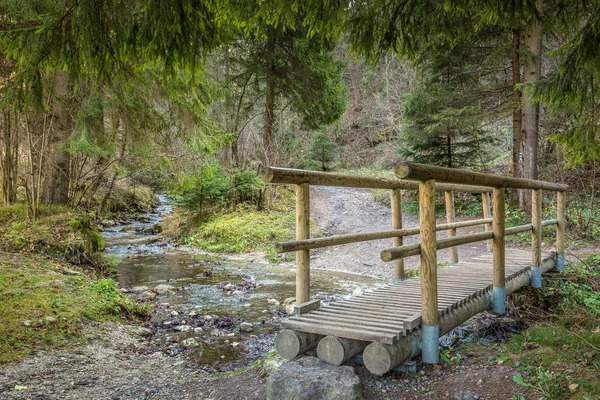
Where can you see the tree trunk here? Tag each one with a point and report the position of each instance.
(269, 101)
(449, 150)
(515, 194)
(56, 187)
(10, 159)
(531, 74)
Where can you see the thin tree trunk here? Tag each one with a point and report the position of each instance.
(515, 194)
(531, 74)
(449, 150)
(56, 190)
(268, 130)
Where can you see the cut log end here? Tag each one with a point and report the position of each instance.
(386, 256)
(336, 351)
(402, 170)
(290, 344)
(266, 174)
(377, 358)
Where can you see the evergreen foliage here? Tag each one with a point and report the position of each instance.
(322, 151)
(440, 129)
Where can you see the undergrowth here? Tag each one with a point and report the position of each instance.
(58, 232)
(558, 355)
(44, 304)
(239, 229)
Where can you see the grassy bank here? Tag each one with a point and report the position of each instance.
(58, 232)
(44, 304)
(239, 229)
(559, 353)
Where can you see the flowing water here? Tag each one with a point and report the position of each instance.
(146, 261)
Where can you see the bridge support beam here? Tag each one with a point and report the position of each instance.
(449, 199)
(560, 231)
(396, 201)
(487, 213)
(536, 238)
(290, 344)
(302, 232)
(429, 295)
(499, 291)
(336, 351)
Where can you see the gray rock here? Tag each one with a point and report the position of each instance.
(174, 313)
(246, 327)
(289, 304)
(107, 223)
(273, 302)
(191, 342)
(466, 396)
(26, 323)
(183, 328)
(198, 331)
(162, 289)
(312, 379)
(143, 331)
(50, 319)
(138, 289)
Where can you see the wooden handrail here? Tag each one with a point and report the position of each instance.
(395, 253)
(421, 172)
(307, 244)
(317, 178)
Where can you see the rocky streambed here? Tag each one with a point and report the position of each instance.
(220, 311)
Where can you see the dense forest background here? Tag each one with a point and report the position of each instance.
(103, 101)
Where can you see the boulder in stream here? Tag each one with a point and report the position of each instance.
(312, 379)
(163, 289)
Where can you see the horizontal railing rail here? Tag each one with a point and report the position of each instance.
(396, 253)
(308, 244)
(422, 172)
(317, 178)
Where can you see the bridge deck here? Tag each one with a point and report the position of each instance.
(387, 313)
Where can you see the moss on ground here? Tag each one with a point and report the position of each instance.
(238, 230)
(44, 304)
(58, 231)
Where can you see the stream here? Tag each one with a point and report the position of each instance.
(211, 300)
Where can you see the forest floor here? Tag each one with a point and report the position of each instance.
(117, 361)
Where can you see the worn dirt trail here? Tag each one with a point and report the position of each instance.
(337, 210)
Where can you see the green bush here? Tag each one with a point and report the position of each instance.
(210, 188)
(247, 188)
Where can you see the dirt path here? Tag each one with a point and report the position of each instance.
(117, 363)
(347, 210)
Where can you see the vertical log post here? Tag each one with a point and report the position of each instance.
(429, 298)
(499, 288)
(397, 224)
(449, 197)
(302, 232)
(487, 213)
(560, 231)
(536, 239)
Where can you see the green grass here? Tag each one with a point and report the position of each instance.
(58, 231)
(43, 304)
(241, 229)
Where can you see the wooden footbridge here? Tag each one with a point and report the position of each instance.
(391, 324)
